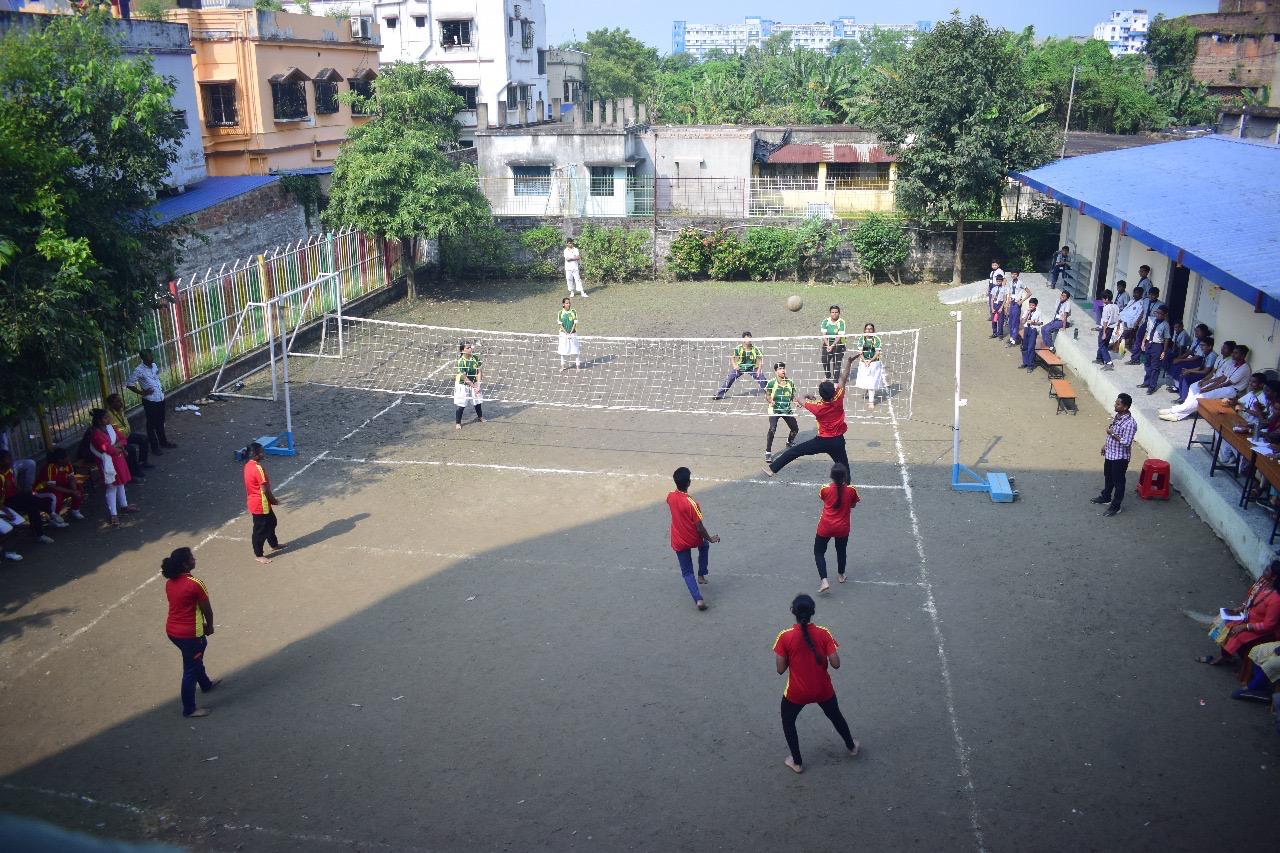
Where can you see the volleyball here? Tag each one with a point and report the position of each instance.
(794, 303)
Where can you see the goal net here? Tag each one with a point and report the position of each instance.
(617, 373)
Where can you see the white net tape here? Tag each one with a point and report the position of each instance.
(627, 374)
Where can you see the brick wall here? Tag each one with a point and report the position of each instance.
(248, 224)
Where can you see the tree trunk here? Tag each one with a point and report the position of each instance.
(411, 246)
(957, 269)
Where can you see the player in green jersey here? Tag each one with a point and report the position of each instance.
(782, 395)
(746, 359)
(833, 330)
(567, 326)
(466, 384)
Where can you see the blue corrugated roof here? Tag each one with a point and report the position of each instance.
(206, 194)
(1211, 203)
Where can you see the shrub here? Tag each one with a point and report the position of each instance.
(728, 257)
(883, 246)
(817, 244)
(690, 255)
(614, 254)
(544, 246)
(485, 252)
(1023, 242)
(771, 253)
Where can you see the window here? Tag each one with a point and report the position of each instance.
(455, 34)
(180, 116)
(362, 86)
(391, 22)
(513, 97)
(219, 104)
(531, 180)
(288, 99)
(468, 95)
(419, 21)
(511, 28)
(857, 176)
(602, 180)
(326, 97)
(542, 62)
(572, 91)
(526, 34)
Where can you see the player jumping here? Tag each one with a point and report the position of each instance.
(829, 412)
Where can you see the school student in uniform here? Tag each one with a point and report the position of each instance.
(1156, 337)
(1122, 296)
(1214, 364)
(781, 393)
(1193, 358)
(1018, 296)
(1061, 320)
(1132, 315)
(1030, 333)
(999, 307)
(1108, 320)
(1140, 331)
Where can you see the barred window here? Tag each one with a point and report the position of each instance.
(455, 34)
(468, 95)
(219, 104)
(289, 100)
(362, 86)
(326, 97)
(602, 180)
(531, 180)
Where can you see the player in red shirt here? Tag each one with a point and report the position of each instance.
(806, 650)
(838, 500)
(60, 482)
(188, 626)
(688, 532)
(828, 410)
(260, 500)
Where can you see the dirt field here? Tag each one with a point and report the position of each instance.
(480, 639)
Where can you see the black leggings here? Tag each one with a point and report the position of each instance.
(773, 427)
(831, 707)
(820, 554)
(458, 410)
(832, 362)
(264, 531)
(833, 447)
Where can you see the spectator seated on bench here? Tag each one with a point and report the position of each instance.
(1261, 612)
(1060, 266)
(60, 483)
(18, 507)
(1193, 366)
(1229, 381)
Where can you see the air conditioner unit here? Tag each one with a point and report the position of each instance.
(361, 27)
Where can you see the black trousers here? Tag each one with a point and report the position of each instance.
(26, 503)
(831, 707)
(820, 554)
(773, 427)
(833, 447)
(832, 360)
(154, 410)
(137, 451)
(264, 530)
(1113, 471)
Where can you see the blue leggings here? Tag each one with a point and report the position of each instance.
(685, 558)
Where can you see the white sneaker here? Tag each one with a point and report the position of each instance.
(44, 540)
(13, 556)
(76, 514)
(57, 520)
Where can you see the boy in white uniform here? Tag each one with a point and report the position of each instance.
(571, 273)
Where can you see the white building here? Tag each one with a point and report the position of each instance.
(496, 49)
(700, 39)
(1125, 32)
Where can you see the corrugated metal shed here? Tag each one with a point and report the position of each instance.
(206, 194)
(1212, 204)
(800, 152)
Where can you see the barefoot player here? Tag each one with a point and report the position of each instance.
(687, 533)
(828, 410)
(567, 326)
(781, 392)
(466, 384)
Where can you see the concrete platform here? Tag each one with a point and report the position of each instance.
(1213, 498)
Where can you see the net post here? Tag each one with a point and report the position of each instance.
(955, 426)
(284, 361)
(337, 283)
(271, 347)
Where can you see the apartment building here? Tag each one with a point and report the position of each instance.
(698, 40)
(1124, 32)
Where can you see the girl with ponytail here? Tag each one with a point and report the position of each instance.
(804, 651)
(189, 625)
(838, 500)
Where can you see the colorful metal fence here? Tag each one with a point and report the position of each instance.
(190, 331)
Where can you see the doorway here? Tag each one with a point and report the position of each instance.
(1101, 266)
(1176, 292)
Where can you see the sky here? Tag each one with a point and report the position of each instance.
(651, 21)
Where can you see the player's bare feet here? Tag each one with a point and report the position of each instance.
(479, 419)
(824, 587)
(279, 547)
(457, 426)
(263, 560)
(768, 472)
(702, 605)
(796, 767)
(198, 712)
(857, 747)
(840, 577)
(213, 684)
(702, 578)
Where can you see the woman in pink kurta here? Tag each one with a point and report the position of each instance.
(114, 464)
(1261, 622)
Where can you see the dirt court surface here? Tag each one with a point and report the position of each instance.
(480, 640)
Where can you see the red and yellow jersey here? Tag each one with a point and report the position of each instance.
(836, 507)
(186, 619)
(685, 517)
(63, 476)
(256, 486)
(807, 676)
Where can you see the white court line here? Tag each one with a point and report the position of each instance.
(582, 472)
(931, 607)
(368, 421)
(169, 820)
(377, 550)
(131, 594)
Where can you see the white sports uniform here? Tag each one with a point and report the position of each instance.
(571, 275)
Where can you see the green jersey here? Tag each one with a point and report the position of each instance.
(833, 331)
(781, 392)
(747, 358)
(870, 346)
(468, 366)
(567, 319)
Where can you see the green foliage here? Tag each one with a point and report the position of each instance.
(690, 255)
(1171, 47)
(1029, 241)
(883, 246)
(305, 7)
(817, 245)
(728, 258)
(392, 178)
(305, 189)
(771, 253)
(268, 5)
(87, 136)
(614, 254)
(151, 10)
(618, 64)
(1112, 95)
(544, 245)
(482, 252)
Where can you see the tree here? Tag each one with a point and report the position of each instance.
(87, 136)
(1171, 47)
(958, 113)
(1112, 95)
(393, 178)
(619, 65)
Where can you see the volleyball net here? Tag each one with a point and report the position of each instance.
(649, 374)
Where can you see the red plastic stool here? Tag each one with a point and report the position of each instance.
(1153, 482)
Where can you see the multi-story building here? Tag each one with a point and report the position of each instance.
(496, 49)
(269, 83)
(1125, 31)
(169, 48)
(700, 39)
(566, 76)
(1236, 49)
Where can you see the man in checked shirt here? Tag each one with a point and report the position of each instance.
(1115, 455)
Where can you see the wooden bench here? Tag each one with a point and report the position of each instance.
(1052, 364)
(1062, 389)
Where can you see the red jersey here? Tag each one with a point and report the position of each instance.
(830, 416)
(186, 619)
(9, 483)
(835, 519)
(685, 516)
(807, 678)
(57, 475)
(256, 486)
